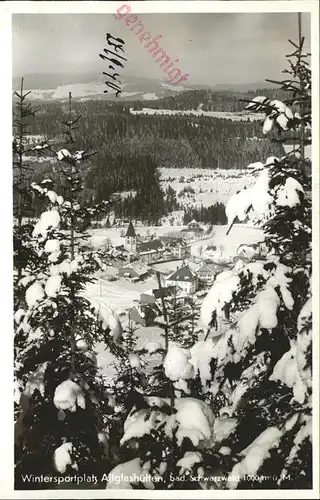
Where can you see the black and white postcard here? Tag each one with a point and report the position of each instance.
(160, 224)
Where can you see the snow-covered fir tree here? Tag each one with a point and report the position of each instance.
(244, 418)
(232, 410)
(24, 256)
(22, 145)
(62, 401)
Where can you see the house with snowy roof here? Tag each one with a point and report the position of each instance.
(118, 250)
(147, 297)
(134, 270)
(179, 248)
(185, 279)
(207, 273)
(143, 314)
(155, 295)
(150, 251)
(255, 250)
(193, 227)
(193, 231)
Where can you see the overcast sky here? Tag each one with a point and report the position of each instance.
(214, 48)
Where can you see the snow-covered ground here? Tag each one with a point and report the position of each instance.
(227, 244)
(210, 186)
(234, 116)
(151, 96)
(107, 362)
(80, 90)
(35, 137)
(62, 91)
(168, 267)
(174, 218)
(95, 89)
(120, 294)
(176, 88)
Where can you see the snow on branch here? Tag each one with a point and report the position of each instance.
(68, 396)
(257, 452)
(277, 113)
(259, 202)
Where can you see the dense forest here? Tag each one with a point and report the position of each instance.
(171, 141)
(120, 173)
(210, 99)
(131, 147)
(214, 214)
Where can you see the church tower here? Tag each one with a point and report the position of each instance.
(131, 238)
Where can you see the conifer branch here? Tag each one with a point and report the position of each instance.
(166, 334)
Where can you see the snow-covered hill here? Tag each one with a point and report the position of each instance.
(52, 86)
(85, 87)
(197, 186)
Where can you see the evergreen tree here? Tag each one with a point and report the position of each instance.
(261, 367)
(25, 258)
(246, 421)
(22, 170)
(171, 200)
(63, 405)
(214, 214)
(182, 315)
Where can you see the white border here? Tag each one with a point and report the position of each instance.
(6, 442)
(84, 7)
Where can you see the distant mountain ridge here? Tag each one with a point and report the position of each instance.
(84, 86)
(244, 87)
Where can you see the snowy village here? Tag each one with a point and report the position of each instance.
(162, 271)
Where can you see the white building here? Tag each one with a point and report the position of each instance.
(150, 251)
(183, 278)
(180, 249)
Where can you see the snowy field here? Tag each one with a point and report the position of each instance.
(227, 244)
(107, 362)
(120, 294)
(234, 116)
(95, 89)
(210, 186)
(62, 91)
(168, 267)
